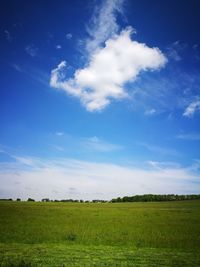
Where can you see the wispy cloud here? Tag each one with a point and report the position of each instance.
(195, 166)
(31, 50)
(150, 112)
(58, 148)
(162, 165)
(109, 65)
(24, 160)
(16, 67)
(193, 107)
(86, 144)
(36, 74)
(58, 47)
(103, 24)
(59, 133)
(175, 50)
(8, 36)
(160, 150)
(54, 178)
(190, 136)
(96, 144)
(170, 93)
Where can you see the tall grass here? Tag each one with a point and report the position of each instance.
(139, 225)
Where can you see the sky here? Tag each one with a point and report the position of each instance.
(99, 99)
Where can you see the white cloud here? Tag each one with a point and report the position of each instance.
(192, 108)
(68, 36)
(112, 60)
(54, 178)
(109, 69)
(58, 46)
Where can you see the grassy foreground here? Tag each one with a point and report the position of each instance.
(109, 234)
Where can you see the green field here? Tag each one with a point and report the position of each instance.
(106, 234)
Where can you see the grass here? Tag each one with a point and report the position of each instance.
(109, 234)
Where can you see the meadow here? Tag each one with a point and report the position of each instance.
(100, 234)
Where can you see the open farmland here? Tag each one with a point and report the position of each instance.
(106, 234)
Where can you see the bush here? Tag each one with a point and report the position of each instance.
(71, 237)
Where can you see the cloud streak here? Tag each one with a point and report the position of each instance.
(189, 137)
(193, 107)
(53, 178)
(166, 151)
(96, 144)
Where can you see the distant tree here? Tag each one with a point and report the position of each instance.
(45, 200)
(30, 199)
(18, 199)
(152, 197)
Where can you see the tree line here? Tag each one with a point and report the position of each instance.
(153, 197)
(135, 198)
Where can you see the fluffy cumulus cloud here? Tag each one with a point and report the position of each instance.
(109, 69)
(192, 108)
(113, 60)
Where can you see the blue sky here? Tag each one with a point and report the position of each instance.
(99, 99)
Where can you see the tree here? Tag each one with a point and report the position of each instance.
(30, 199)
(45, 200)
